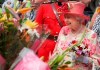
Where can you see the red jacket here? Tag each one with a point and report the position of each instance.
(45, 15)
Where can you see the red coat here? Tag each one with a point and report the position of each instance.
(45, 15)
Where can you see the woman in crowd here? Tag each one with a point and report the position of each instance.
(7, 3)
(81, 56)
(95, 26)
(95, 23)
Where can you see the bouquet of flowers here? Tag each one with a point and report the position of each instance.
(10, 39)
(17, 33)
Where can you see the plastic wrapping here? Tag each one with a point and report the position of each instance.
(27, 60)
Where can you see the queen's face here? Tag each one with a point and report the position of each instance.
(72, 22)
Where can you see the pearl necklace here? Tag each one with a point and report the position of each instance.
(76, 31)
(71, 36)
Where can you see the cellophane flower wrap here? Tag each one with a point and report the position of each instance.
(29, 61)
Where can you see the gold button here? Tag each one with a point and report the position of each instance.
(56, 32)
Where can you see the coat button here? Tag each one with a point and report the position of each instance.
(47, 17)
(58, 24)
(56, 32)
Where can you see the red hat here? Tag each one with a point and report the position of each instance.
(75, 8)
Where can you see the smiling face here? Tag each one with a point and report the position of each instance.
(73, 22)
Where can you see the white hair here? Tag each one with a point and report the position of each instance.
(79, 19)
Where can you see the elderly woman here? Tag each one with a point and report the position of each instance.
(81, 56)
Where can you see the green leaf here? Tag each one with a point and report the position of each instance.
(68, 62)
(28, 4)
(15, 4)
(11, 11)
(21, 21)
(7, 12)
(1, 15)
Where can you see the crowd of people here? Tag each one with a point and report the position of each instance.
(68, 23)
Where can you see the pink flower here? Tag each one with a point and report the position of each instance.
(94, 35)
(66, 30)
(78, 52)
(63, 48)
(87, 30)
(86, 41)
(92, 49)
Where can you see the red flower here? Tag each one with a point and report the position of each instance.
(80, 48)
(98, 60)
(74, 41)
(86, 46)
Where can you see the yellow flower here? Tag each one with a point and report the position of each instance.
(3, 18)
(31, 24)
